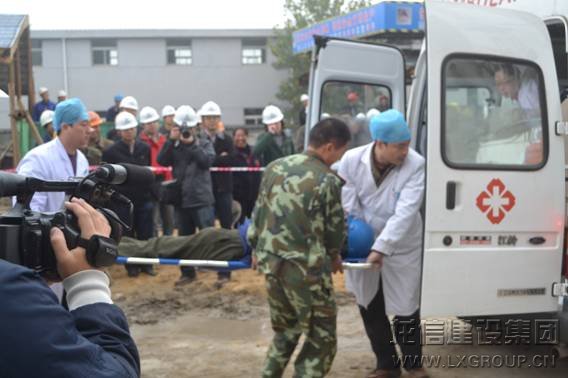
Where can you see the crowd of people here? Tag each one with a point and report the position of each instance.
(296, 235)
(190, 197)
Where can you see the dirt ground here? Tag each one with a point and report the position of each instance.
(201, 331)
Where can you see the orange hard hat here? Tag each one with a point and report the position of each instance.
(94, 119)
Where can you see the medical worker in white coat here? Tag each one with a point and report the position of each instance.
(59, 159)
(384, 187)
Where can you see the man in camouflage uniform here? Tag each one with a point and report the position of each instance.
(297, 231)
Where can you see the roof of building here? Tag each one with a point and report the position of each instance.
(10, 29)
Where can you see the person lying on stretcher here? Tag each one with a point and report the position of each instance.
(228, 245)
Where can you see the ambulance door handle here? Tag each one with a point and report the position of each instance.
(451, 195)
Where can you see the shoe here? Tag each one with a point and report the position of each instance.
(149, 270)
(221, 281)
(132, 270)
(418, 373)
(385, 373)
(184, 280)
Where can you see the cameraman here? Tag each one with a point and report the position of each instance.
(191, 154)
(42, 339)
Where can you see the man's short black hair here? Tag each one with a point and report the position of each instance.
(329, 130)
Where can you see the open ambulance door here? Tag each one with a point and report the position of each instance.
(349, 78)
(494, 202)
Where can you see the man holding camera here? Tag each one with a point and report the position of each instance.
(191, 155)
(41, 338)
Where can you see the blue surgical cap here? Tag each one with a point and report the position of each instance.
(118, 97)
(389, 127)
(69, 112)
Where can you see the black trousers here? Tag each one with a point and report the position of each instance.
(407, 334)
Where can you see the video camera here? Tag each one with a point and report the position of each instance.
(186, 131)
(25, 234)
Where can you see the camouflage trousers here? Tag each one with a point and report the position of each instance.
(299, 306)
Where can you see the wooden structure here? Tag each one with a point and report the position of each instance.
(16, 76)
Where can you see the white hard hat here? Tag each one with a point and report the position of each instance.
(125, 121)
(272, 114)
(210, 108)
(372, 112)
(304, 97)
(62, 93)
(168, 110)
(199, 118)
(129, 102)
(361, 117)
(42, 90)
(185, 116)
(46, 117)
(148, 114)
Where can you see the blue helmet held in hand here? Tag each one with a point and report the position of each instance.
(360, 238)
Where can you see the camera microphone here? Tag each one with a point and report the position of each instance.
(125, 174)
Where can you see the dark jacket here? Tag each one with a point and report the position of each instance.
(191, 163)
(245, 184)
(267, 150)
(223, 181)
(111, 113)
(42, 339)
(119, 152)
(40, 107)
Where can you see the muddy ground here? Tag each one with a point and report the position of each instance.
(201, 331)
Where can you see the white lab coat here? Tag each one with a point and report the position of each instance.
(50, 161)
(393, 211)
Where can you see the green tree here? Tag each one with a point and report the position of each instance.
(300, 14)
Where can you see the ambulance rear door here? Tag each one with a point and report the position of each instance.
(494, 202)
(349, 78)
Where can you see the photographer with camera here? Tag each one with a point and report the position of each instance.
(191, 154)
(41, 338)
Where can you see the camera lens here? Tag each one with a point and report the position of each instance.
(186, 134)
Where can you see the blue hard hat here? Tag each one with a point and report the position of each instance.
(389, 127)
(69, 112)
(360, 238)
(118, 97)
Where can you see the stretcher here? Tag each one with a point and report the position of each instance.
(350, 264)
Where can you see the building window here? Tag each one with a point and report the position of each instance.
(179, 51)
(253, 116)
(37, 57)
(254, 51)
(104, 52)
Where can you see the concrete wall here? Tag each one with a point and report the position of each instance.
(215, 74)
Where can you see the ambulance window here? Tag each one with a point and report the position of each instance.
(353, 103)
(493, 114)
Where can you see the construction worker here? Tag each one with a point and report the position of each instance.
(149, 119)
(222, 181)
(297, 232)
(274, 143)
(115, 109)
(97, 143)
(168, 113)
(384, 186)
(190, 154)
(61, 96)
(130, 150)
(46, 121)
(44, 104)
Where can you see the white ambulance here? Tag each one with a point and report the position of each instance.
(485, 112)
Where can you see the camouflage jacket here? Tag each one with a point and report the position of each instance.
(298, 215)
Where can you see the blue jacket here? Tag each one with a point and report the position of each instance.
(40, 107)
(39, 338)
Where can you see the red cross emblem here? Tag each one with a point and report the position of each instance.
(496, 201)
